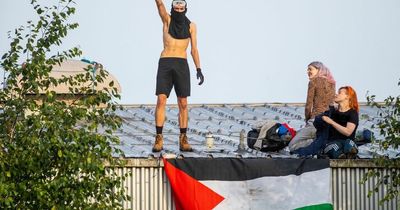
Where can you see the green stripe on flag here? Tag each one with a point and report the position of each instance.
(326, 206)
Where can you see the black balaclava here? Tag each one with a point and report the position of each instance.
(179, 25)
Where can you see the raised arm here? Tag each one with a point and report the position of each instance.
(162, 11)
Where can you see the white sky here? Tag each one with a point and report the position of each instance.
(250, 51)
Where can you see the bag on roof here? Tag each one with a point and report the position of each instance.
(276, 138)
(364, 137)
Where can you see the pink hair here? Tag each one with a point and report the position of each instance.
(323, 71)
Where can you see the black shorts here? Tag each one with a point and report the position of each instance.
(173, 72)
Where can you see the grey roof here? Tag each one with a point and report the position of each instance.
(224, 122)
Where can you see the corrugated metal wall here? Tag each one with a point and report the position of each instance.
(150, 190)
(350, 194)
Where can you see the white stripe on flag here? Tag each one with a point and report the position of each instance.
(274, 192)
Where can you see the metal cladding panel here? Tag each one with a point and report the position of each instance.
(348, 193)
(148, 188)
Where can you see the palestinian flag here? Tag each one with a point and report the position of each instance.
(232, 183)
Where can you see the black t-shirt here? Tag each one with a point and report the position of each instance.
(342, 118)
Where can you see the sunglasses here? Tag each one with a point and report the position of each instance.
(178, 3)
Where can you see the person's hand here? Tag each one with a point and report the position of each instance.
(327, 120)
(200, 76)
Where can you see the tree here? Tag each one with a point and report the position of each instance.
(389, 127)
(52, 153)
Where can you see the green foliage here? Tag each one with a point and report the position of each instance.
(389, 127)
(52, 153)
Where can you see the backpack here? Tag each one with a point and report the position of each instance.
(272, 142)
(364, 137)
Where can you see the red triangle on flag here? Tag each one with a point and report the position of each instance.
(190, 194)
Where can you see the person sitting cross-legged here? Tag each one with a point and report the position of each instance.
(336, 128)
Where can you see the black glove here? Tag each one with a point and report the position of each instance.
(200, 76)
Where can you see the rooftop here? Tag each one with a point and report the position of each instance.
(225, 122)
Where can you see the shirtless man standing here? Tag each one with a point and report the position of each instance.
(173, 68)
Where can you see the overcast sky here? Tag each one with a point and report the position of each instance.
(250, 51)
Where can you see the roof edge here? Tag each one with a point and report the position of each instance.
(229, 104)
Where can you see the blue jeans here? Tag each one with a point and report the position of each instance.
(336, 149)
(320, 141)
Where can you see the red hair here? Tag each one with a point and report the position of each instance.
(353, 102)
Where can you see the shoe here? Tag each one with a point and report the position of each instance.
(322, 156)
(183, 143)
(158, 144)
(352, 154)
(342, 156)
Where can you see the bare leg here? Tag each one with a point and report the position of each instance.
(160, 118)
(160, 109)
(183, 112)
(183, 123)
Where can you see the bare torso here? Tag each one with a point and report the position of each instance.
(173, 47)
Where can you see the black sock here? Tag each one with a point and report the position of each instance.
(183, 130)
(159, 129)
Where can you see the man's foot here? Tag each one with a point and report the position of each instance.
(183, 143)
(158, 144)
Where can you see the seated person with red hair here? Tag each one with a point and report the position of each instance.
(336, 128)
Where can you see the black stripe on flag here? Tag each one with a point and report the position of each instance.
(234, 169)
